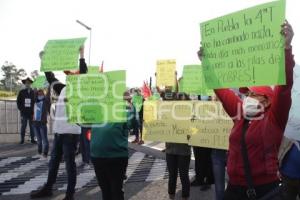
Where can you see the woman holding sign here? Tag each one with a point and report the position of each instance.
(178, 158)
(257, 133)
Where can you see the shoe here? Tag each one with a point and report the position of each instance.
(195, 183)
(135, 141)
(68, 197)
(141, 142)
(205, 187)
(44, 192)
(33, 142)
(171, 196)
(22, 142)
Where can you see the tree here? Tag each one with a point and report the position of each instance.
(12, 76)
(34, 74)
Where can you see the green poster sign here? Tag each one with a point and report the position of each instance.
(193, 81)
(96, 98)
(61, 55)
(40, 82)
(245, 48)
(154, 97)
(93, 70)
(137, 101)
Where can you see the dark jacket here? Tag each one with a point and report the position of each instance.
(25, 102)
(263, 136)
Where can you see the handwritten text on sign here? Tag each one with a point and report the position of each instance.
(202, 124)
(245, 48)
(165, 72)
(96, 98)
(193, 82)
(61, 55)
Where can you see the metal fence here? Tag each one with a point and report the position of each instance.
(9, 117)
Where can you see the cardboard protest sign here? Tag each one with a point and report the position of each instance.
(165, 73)
(193, 82)
(96, 98)
(245, 48)
(60, 55)
(202, 124)
(40, 82)
(93, 70)
(137, 101)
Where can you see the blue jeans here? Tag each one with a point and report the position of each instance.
(42, 137)
(219, 158)
(85, 146)
(24, 120)
(63, 145)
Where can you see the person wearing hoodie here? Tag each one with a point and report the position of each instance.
(40, 115)
(263, 120)
(25, 102)
(66, 137)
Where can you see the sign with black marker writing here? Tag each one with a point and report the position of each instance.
(245, 48)
(202, 123)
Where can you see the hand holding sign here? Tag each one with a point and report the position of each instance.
(288, 33)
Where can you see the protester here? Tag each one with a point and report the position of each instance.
(40, 116)
(136, 126)
(219, 159)
(263, 118)
(141, 121)
(109, 154)
(25, 102)
(203, 164)
(178, 158)
(65, 140)
(289, 154)
(84, 145)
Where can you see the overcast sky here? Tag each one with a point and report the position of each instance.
(126, 34)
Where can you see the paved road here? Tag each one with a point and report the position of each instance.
(22, 171)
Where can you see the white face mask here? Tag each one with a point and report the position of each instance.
(251, 107)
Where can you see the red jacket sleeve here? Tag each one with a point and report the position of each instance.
(282, 101)
(231, 102)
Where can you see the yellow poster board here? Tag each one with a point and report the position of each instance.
(165, 73)
(201, 123)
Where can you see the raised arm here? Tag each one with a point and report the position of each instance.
(231, 102)
(82, 65)
(282, 101)
(176, 83)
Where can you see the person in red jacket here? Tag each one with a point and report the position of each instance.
(267, 111)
